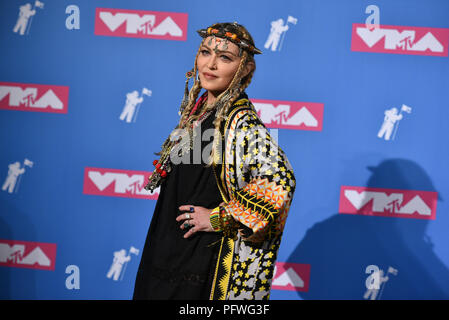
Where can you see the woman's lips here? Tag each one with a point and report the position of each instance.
(209, 76)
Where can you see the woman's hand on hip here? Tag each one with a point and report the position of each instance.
(196, 218)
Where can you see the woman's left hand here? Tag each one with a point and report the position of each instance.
(199, 219)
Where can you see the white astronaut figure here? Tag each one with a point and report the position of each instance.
(120, 258)
(24, 14)
(132, 100)
(391, 116)
(371, 293)
(277, 27)
(14, 171)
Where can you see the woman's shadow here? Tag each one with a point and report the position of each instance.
(340, 248)
(15, 282)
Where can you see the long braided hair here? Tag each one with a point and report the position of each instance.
(225, 100)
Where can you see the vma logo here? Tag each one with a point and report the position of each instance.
(291, 277)
(33, 97)
(117, 183)
(388, 202)
(25, 254)
(401, 40)
(141, 24)
(290, 115)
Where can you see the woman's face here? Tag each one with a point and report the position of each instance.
(217, 65)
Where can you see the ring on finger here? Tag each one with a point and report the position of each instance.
(186, 224)
(187, 216)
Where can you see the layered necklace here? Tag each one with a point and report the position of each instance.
(184, 142)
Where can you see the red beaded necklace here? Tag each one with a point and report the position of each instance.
(158, 166)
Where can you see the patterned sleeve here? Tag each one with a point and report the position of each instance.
(260, 177)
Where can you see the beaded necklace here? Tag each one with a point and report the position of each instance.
(163, 165)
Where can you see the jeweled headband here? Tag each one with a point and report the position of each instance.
(221, 31)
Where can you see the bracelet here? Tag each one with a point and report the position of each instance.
(215, 219)
(227, 223)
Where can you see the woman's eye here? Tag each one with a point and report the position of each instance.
(226, 58)
(204, 52)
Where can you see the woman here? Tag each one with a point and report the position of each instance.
(222, 206)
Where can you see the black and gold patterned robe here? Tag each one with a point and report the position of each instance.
(257, 185)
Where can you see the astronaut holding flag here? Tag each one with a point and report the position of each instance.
(391, 122)
(25, 12)
(133, 102)
(277, 30)
(15, 172)
(119, 263)
(376, 282)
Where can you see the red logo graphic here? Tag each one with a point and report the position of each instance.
(117, 183)
(26, 254)
(141, 24)
(290, 115)
(401, 40)
(388, 202)
(291, 277)
(33, 97)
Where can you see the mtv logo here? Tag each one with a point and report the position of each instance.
(291, 277)
(141, 24)
(401, 40)
(388, 202)
(117, 183)
(33, 97)
(25, 254)
(290, 114)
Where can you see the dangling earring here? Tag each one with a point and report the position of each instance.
(185, 99)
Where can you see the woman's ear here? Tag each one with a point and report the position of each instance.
(248, 68)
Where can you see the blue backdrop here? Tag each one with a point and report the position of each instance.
(314, 62)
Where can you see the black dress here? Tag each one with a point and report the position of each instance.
(173, 267)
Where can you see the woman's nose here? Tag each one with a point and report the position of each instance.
(212, 63)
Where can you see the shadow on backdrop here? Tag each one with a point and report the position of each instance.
(340, 248)
(5, 277)
(16, 283)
